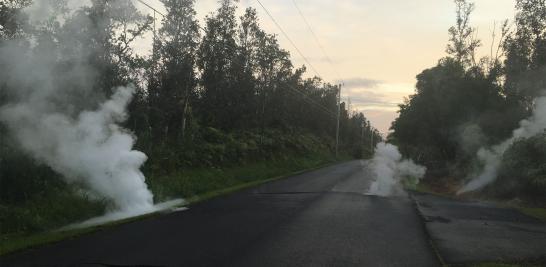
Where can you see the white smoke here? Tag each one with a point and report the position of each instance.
(53, 115)
(492, 157)
(169, 206)
(90, 150)
(391, 171)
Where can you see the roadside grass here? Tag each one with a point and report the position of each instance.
(425, 188)
(539, 213)
(59, 206)
(195, 185)
(199, 182)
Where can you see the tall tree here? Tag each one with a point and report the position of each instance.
(176, 47)
(216, 58)
(249, 35)
(525, 63)
(102, 34)
(462, 42)
(12, 19)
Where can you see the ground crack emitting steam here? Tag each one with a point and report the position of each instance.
(91, 150)
(391, 171)
(491, 158)
(56, 116)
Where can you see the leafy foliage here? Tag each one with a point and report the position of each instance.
(205, 102)
(525, 64)
(524, 168)
(448, 99)
(460, 106)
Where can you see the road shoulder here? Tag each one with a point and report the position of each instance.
(469, 231)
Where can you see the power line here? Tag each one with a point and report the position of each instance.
(328, 58)
(331, 64)
(289, 39)
(305, 98)
(150, 7)
(310, 100)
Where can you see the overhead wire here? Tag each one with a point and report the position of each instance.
(328, 58)
(288, 38)
(306, 98)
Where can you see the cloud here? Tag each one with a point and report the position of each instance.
(381, 119)
(371, 98)
(361, 83)
(379, 101)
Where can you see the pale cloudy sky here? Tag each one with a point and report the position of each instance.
(377, 46)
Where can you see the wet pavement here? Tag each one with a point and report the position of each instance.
(472, 231)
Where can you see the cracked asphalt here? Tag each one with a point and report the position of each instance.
(319, 218)
(472, 231)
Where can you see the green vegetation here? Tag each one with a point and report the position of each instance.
(213, 183)
(214, 111)
(464, 104)
(202, 181)
(539, 213)
(523, 169)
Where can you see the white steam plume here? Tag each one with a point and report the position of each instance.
(90, 150)
(492, 157)
(390, 171)
(53, 114)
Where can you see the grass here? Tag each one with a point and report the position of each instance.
(539, 213)
(425, 188)
(195, 185)
(198, 182)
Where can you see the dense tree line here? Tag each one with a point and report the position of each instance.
(208, 96)
(234, 77)
(465, 103)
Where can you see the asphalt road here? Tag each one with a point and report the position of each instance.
(320, 218)
(467, 231)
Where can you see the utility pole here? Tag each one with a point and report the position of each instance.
(362, 134)
(371, 140)
(338, 114)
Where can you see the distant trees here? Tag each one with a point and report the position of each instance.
(462, 104)
(206, 100)
(525, 64)
(449, 99)
(227, 95)
(462, 41)
(173, 79)
(216, 61)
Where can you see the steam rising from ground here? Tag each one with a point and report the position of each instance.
(90, 150)
(492, 157)
(119, 215)
(54, 116)
(391, 171)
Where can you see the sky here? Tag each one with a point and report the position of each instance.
(376, 47)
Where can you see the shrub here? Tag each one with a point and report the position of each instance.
(523, 171)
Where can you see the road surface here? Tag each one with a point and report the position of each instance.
(320, 218)
(466, 231)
